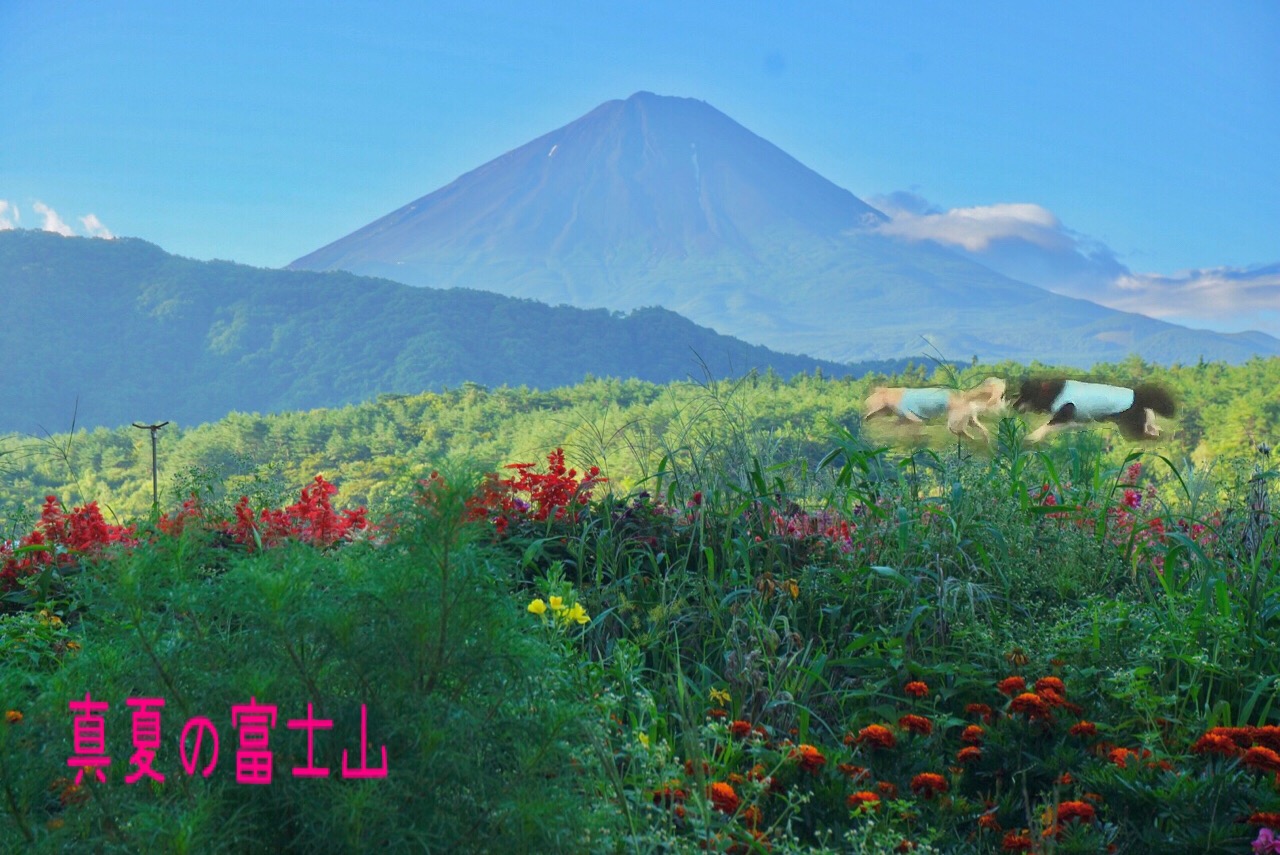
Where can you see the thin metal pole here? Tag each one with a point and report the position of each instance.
(155, 485)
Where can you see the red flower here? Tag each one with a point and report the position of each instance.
(886, 789)
(1216, 743)
(981, 710)
(973, 735)
(1033, 706)
(877, 736)
(854, 773)
(741, 729)
(811, 759)
(916, 724)
(1051, 684)
(1016, 842)
(916, 689)
(1120, 756)
(668, 796)
(723, 797)
(1262, 758)
(969, 754)
(1082, 811)
(863, 797)
(1011, 686)
(1083, 728)
(928, 784)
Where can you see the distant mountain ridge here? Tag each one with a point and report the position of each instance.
(659, 200)
(137, 334)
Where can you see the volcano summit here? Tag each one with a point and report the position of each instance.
(666, 201)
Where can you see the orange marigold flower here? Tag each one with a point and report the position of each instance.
(716, 712)
(1262, 758)
(1051, 684)
(989, 822)
(973, 734)
(1033, 706)
(1268, 818)
(863, 797)
(969, 754)
(1268, 735)
(854, 773)
(916, 724)
(877, 736)
(723, 797)
(1011, 686)
(1015, 841)
(1082, 811)
(1083, 728)
(751, 816)
(1120, 756)
(13, 717)
(982, 710)
(928, 784)
(1065, 779)
(739, 728)
(1241, 736)
(905, 846)
(668, 795)
(886, 789)
(916, 689)
(811, 759)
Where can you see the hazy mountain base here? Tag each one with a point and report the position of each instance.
(627, 427)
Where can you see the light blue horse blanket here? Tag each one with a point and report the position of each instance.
(1093, 400)
(928, 403)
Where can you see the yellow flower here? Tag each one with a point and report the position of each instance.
(793, 588)
(643, 739)
(557, 603)
(720, 696)
(577, 613)
(13, 716)
(537, 607)
(73, 646)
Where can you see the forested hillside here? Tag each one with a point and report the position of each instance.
(625, 427)
(120, 331)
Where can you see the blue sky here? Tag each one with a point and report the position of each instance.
(1124, 152)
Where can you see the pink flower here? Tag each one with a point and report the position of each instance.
(1266, 842)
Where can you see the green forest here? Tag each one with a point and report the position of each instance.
(374, 450)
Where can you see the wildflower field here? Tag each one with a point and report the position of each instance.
(950, 649)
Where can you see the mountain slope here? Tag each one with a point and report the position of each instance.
(667, 201)
(137, 334)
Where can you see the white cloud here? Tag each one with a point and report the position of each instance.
(8, 215)
(94, 227)
(1226, 297)
(52, 222)
(1028, 242)
(972, 228)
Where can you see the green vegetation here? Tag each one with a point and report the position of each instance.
(374, 450)
(767, 631)
(134, 334)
